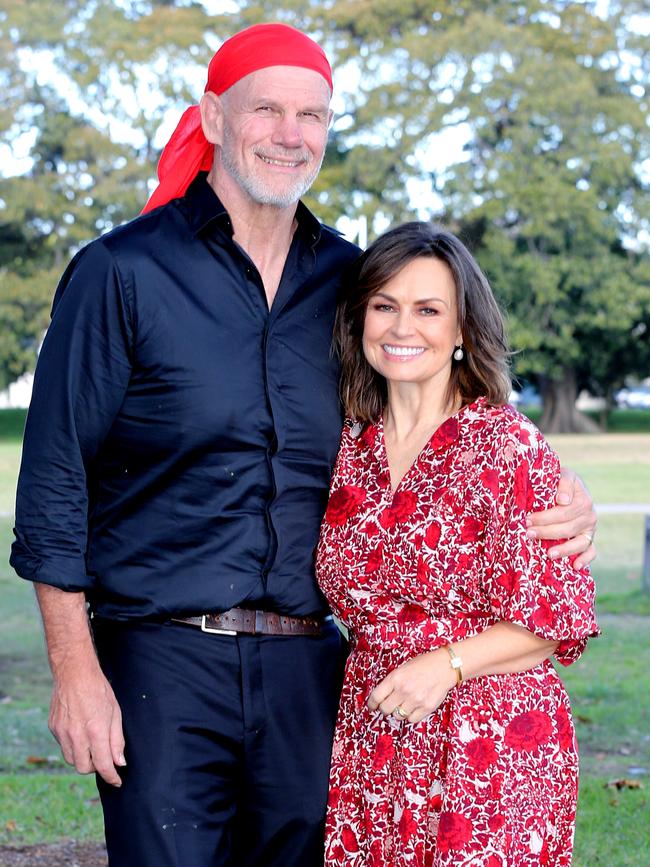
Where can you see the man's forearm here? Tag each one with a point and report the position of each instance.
(85, 717)
(67, 630)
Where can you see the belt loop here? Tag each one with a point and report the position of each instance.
(260, 626)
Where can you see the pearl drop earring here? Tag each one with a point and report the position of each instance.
(458, 354)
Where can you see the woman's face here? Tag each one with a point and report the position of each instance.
(411, 324)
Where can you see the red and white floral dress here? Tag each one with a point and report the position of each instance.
(490, 778)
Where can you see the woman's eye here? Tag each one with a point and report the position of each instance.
(382, 307)
(428, 311)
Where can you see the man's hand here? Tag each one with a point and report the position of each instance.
(85, 717)
(573, 519)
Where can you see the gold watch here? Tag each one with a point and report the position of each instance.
(456, 663)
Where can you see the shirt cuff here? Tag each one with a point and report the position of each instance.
(66, 573)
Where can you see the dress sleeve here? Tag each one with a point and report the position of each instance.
(81, 377)
(549, 597)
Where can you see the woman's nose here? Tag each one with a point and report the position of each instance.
(402, 324)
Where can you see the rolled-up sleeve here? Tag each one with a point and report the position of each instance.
(80, 382)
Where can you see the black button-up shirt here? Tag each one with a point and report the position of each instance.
(181, 435)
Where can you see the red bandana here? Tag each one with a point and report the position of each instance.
(188, 151)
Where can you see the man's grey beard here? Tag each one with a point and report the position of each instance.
(255, 187)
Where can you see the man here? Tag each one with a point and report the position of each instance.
(176, 460)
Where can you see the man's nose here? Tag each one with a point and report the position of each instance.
(288, 132)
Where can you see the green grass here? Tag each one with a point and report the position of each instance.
(637, 602)
(9, 463)
(610, 695)
(24, 674)
(615, 467)
(41, 808)
(609, 687)
(612, 826)
(619, 541)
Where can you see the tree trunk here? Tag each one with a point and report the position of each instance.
(559, 413)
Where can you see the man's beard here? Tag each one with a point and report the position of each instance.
(256, 187)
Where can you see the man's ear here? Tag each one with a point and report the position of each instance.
(212, 117)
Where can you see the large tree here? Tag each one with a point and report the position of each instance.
(551, 190)
(550, 98)
(110, 73)
(554, 197)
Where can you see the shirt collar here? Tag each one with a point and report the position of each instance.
(202, 207)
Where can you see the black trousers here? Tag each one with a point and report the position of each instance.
(228, 743)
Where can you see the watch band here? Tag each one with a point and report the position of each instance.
(456, 663)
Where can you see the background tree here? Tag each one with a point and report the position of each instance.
(554, 199)
(552, 190)
(550, 98)
(112, 67)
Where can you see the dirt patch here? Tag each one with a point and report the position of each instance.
(65, 853)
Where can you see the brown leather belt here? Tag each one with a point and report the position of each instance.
(251, 622)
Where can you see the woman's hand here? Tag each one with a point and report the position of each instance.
(416, 688)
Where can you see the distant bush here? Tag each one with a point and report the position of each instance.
(12, 423)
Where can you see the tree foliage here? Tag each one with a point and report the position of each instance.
(551, 189)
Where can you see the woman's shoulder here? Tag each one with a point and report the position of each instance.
(359, 435)
(506, 426)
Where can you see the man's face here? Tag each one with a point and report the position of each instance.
(274, 133)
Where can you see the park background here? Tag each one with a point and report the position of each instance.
(523, 126)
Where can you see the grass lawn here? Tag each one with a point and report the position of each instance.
(9, 462)
(41, 800)
(615, 467)
(44, 807)
(612, 826)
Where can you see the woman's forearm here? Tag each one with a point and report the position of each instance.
(502, 649)
(419, 686)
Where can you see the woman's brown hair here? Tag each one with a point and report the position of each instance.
(484, 369)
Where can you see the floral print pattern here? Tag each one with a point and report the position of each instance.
(490, 778)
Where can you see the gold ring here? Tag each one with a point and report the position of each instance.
(399, 713)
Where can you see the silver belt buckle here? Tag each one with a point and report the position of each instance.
(214, 631)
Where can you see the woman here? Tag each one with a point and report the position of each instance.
(454, 741)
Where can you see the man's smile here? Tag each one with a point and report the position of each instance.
(285, 164)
